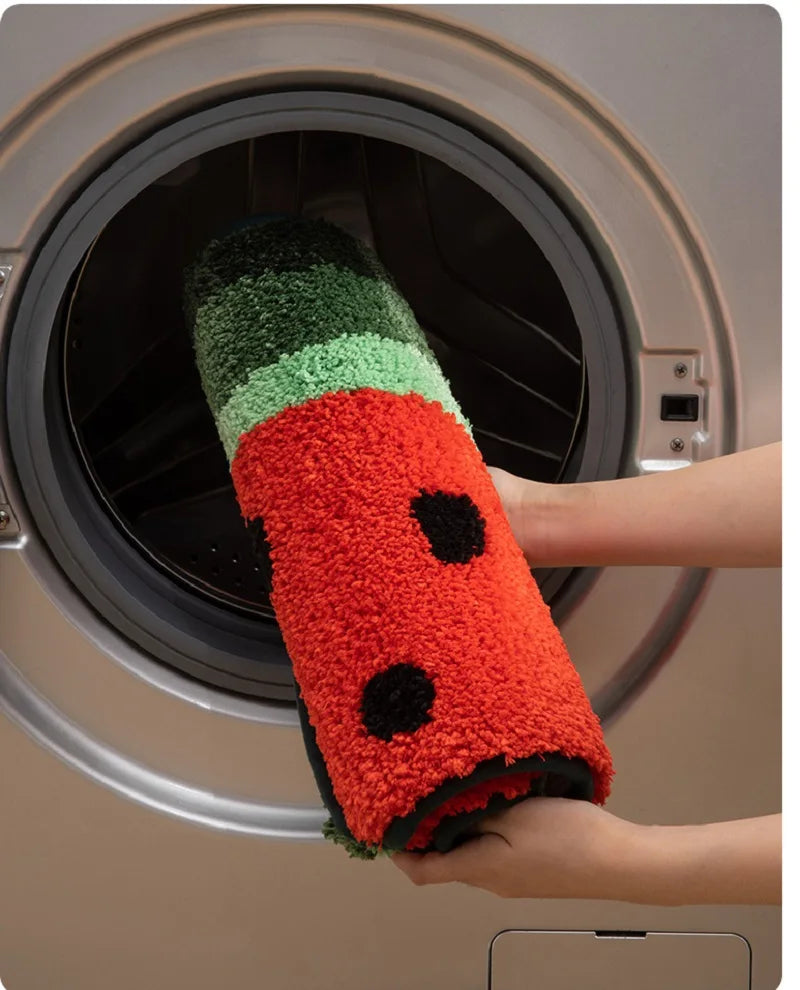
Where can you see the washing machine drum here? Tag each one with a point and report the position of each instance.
(495, 311)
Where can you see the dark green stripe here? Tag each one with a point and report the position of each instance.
(291, 244)
(257, 320)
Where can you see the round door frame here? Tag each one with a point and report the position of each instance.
(614, 193)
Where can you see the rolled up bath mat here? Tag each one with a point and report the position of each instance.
(433, 685)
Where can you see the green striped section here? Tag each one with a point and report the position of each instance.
(259, 319)
(280, 244)
(347, 363)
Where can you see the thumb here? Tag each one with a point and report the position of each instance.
(466, 864)
(503, 481)
(497, 824)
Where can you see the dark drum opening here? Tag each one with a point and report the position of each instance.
(493, 308)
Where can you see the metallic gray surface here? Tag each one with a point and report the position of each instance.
(48, 726)
(160, 155)
(649, 658)
(694, 95)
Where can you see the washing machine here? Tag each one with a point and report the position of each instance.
(581, 204)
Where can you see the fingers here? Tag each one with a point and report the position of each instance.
(469, 863)
(501, 822)
(530, 814)
(496, 823)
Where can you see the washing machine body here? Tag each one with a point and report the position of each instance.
(582, 205)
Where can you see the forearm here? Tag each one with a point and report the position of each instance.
(720, 513)
(735, 862)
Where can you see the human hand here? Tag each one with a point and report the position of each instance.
(559, 847)
(542, 848)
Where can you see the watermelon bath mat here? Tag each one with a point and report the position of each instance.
(433, 686)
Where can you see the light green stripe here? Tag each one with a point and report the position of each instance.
(347, 363)
(254, 321)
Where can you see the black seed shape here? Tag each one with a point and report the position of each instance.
(397, 700)
(452, 524)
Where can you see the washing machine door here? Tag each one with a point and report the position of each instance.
(564, 248)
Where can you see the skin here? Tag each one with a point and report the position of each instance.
(721, 513)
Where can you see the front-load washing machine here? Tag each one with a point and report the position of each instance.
(582, 206)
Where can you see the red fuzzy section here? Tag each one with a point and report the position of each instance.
(511, 786)
(356, 589)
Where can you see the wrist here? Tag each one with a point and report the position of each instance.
(552, 520)
(665, 862)
(623, 860)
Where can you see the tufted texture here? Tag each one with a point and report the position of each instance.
(433, 680)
